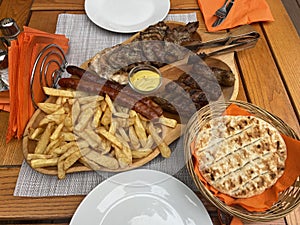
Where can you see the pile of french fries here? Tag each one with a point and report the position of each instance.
(93, 131)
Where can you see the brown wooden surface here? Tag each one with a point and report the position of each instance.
(269, 77)
(293, 8)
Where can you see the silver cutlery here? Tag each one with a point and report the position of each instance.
(221, 12)
(220, 20)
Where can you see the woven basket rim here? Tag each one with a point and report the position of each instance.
(288, 199)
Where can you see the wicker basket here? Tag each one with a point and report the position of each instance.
(288, 200)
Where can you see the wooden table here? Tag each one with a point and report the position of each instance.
(269, 78)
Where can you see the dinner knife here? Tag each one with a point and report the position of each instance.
(220, 20)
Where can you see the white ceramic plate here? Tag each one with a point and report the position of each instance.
(140, 197)
(126, 16)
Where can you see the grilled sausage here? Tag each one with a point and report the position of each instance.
(119, 97)
(95, 78)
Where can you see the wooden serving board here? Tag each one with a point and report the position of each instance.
(169, 135)
(171, 72)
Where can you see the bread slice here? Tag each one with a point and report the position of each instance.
(240, 156)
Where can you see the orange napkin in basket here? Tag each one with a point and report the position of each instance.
(21, 57)
(242, 12)
(265, 200)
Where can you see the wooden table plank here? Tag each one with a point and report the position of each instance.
(79, 5)
(293, 9)
(17, 9)
(39, 5)
(11, 153)
(18, 208)
(263, 84)
(46, 20)
(285, 44)
(294, 217)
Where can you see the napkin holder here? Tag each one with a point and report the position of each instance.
(52, 56)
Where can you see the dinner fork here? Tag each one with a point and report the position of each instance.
(221, 12)
(220, 20)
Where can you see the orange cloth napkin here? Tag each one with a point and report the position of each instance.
(21, 57)
(263, 201)
(242, 12)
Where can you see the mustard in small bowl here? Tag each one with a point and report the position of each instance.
(144, 79)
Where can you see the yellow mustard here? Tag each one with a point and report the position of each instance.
(145, 80)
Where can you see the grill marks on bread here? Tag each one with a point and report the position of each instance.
(240, 155)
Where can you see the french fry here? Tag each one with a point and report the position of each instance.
(48, 108)
(92, 138)
(97, 117)
(113, 127)
(45, 138)
(110, 104)
(61, 110)
(106, 117)
(84, 119)
(31, 156)
(69, 136)
(37, 163)
(141, 153)
(102, 160)
(56, 118)
(82, 144)
(162, 146)
(89, 164)
(59, 100)
(61, 173)
(36, 133)
(53, 145)
(121, 115)
(70, 160)
(68, 123)
(123, 134)
(124, 157)
(123, 122)
(109, 136)
(150, 142)
(58, 92)
(122, 109)
(75, 111)
(56, 132)
(71, 101)
(91, 105)
(139, 128)
(64, 100)
(134, 140)
(69, 152)
(167, 122)
(65, 147)
(103, 105)
(89, 99)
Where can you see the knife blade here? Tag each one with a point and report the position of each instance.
(220, 20)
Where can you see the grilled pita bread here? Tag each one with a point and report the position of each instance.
(240, 156)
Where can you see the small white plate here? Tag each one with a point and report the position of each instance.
(126, 16)
(140, 197)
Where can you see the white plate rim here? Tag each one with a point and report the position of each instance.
(91, 5)
(140, 172)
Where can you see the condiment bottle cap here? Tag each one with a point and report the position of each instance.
(9, 28)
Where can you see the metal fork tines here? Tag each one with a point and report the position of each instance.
(221, 19)
(221, 12)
